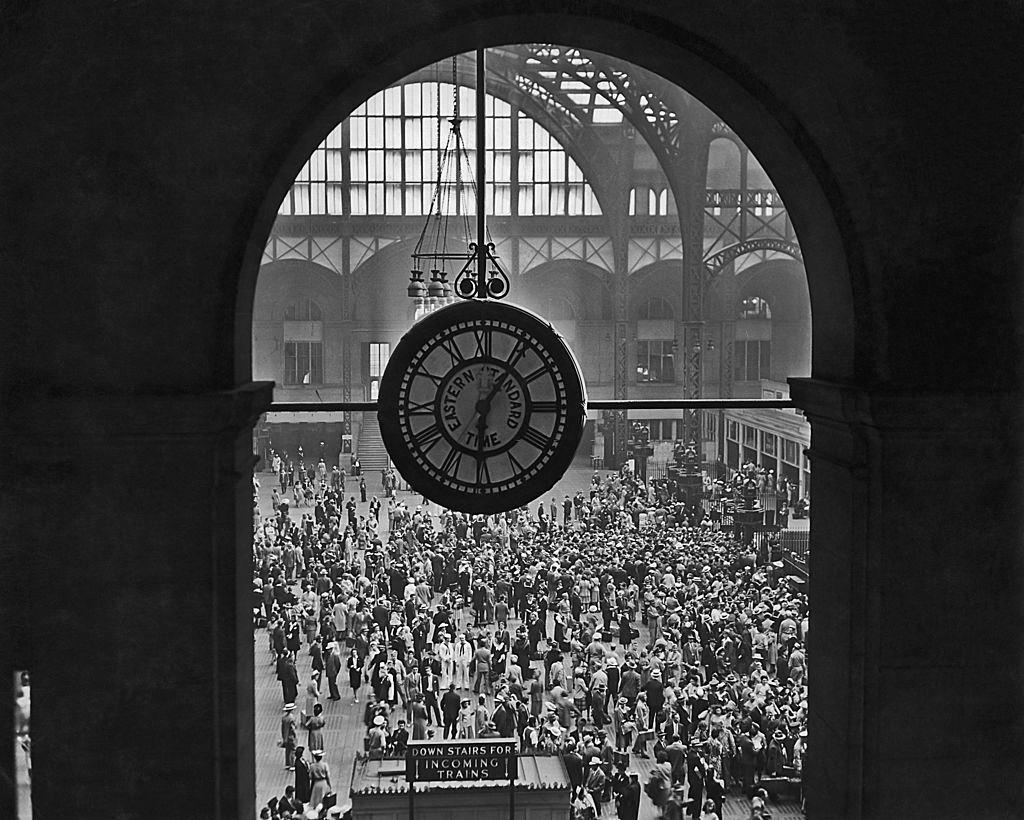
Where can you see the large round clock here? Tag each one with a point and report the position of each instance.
(482, 406)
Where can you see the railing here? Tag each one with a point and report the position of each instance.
(795, 544)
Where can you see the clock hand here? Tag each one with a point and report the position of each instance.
(479, 408)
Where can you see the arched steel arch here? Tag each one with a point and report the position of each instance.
(715, 263)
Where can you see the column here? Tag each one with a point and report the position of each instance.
(916, 601)
(137, 557)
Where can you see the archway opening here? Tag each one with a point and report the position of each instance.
(651, 245)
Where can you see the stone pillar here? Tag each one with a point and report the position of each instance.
(136, 555)
(914, 651)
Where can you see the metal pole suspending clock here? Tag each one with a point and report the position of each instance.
(482, 404)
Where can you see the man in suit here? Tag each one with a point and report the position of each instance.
(332, 668)
(482, 667)
(302, 786)
(288, 735)
(400, 739)
(505, 718)
(574, 768)
(289, 801)
(289, 677)
(612, 671)
(747, 760)
(431, 685)
(629, 802)
(451, 703)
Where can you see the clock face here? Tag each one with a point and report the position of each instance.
(482, 406)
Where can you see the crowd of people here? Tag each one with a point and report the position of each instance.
(606, 627)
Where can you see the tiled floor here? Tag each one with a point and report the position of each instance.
(344, 731)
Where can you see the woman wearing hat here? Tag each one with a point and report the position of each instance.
(312, 693)
(319, 778)
(314, 726)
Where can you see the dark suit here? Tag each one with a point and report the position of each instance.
(332, 668)
(747, 761)
(431, 687)
(574, 769)
(629, 803)
(289, 677)
(451, 702)
(301, 780)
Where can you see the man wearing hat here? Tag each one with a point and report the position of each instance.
(777, 758)
(629, 682)
(289, 736)
(596, 782)
(377, 737)
(655, 690)
(611, 671)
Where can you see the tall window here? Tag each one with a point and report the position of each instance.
(375, 359)
(550, 181)
(303, 363)
(655, 348)
(752, 361)
(387, 153)
(655, 361)
(303, 343)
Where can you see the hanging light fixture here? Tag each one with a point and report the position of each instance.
(441, 243)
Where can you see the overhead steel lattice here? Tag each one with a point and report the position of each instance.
(593, 89)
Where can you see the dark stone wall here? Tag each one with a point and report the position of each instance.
(145, 149)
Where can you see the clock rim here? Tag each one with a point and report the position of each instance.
(574, 412)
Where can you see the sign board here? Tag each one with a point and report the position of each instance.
(451, 760)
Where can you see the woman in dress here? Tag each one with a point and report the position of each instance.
(314, 727)
(355, 673)
(312, 694)
(319, 778)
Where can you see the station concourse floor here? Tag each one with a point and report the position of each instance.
(343, 734)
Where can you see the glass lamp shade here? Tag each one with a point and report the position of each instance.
(417, 289)
(435, 290)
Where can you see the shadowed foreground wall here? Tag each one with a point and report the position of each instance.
(145, 149)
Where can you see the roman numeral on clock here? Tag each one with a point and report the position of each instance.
(535, 438)
(514, 462)
(544, 407)
(451, 462)
(483, 474)
(452, 349)
(517, 353)
(425, 439)
(483, 341)
(536, 374)
(422, 371)
(421, 409)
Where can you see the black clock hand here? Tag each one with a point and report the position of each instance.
(464, 428)
(484, 405)
(481, 425)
